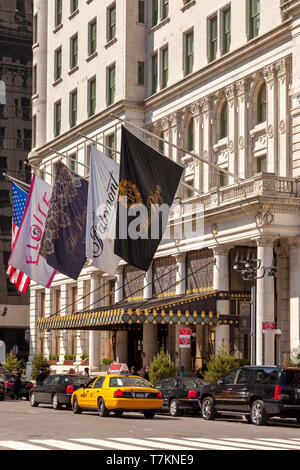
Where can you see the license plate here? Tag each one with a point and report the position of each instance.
(139, 395)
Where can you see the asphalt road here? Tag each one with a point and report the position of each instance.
(24, 425)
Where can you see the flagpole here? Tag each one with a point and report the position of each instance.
(98, 143)
(39, 169)
(69, 158)
(236, 178)
(16, 180)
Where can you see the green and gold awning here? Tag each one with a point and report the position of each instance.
(186, 310)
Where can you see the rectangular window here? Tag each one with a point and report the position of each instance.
(73, 6)
(213, 38)
(111, 32)
(154, 73)
(73, 162)
(164, 67)
(141, 12)
(141, 73)
(189, 52)
(73, 108)
(2, 137)
(35, 29)
(57, 118)
(223, 179)
(164, 9)
(92, 97)
(74, 52)
(226, 30)
(111, 85)
(261, 164)
(154, 12)
(254, 18)
(110, 143)
(58, 64)
(92, 37)
(34, 80)
(58, 12)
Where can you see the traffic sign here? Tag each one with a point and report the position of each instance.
(185, 338)
(268, 327)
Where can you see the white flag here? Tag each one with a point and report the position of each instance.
(25, 255)
(102, 212)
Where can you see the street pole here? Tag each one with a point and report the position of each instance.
(253, 324)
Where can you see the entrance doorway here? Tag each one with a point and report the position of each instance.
(135, 347)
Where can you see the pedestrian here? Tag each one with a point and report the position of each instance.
(132, 370)
(86, 372)
(17, 385)
(146, 374)
(204, 367)
(41, 376)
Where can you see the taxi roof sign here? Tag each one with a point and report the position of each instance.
(118, 368)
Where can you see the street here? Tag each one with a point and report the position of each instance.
(26, 428)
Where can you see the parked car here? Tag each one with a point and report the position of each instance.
(2, 389)
(256, 392)
(117, 393)
(180, 394)
(57, 390)
(9, 385)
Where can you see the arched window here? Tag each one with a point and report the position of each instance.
(262, 104)
(224, 121)
(190, 135)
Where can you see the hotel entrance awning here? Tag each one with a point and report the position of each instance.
(188, 310)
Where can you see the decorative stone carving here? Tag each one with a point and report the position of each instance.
(270, 131)
(269, 74)
(282, 126)
(241, 142)
(230, 146)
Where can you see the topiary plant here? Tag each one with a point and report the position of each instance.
(219, 364)
(39, 362)
(12, 362)
(161, 367)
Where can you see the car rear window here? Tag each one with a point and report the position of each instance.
(292, 378)
(128, 382)
(194, 383)
(265, 376)
(74, 380)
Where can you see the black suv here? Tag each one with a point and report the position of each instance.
(256, 392)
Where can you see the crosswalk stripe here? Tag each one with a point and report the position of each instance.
(262, 445)
(199, 443)
(107, 443)
(20, 445)
(62, 444)
(287, 442)
(153, 445)
(237, 445)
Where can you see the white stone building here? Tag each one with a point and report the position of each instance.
(220, 79)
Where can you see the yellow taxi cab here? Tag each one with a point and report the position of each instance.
(117, 393)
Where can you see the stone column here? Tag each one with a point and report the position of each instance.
(48, 312)
(195, 109)
(232, 131)
(122, 346)
(264, 302)
(221, 283)
(148, 284)
(176, 133)
(94, 335)
(119, 285)
(63, 336)
(271, 93)
(283, 161)
(80, 335)
(207, 144)
(242, 135)
(150, 348)
(180, 274)
(283, 303)
(294, 294)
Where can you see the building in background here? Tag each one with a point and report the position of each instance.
(220, 79)
(15, 144)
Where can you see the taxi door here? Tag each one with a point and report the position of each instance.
(95, 392)
(83, 394)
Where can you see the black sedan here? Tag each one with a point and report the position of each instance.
(180, 394)
(9, 381)
(57, 389)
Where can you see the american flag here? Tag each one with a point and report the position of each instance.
(19, 199)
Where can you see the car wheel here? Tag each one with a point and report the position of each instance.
(102, 410)
(55, 403)
(149, 414)
(75, 407)
(174, 409)
(118, 412)
(208, 409)
(259, 416)
(32, 401)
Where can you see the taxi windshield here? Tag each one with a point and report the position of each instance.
(129, 382)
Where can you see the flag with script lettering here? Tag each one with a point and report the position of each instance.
(63, 240)
(19, 199)
(101, 215)
(25, 254)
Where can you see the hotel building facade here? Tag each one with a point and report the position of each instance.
(219, 80)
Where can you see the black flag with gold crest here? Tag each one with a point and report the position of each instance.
(148, 184)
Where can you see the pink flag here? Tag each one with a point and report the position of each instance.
(25, 254)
